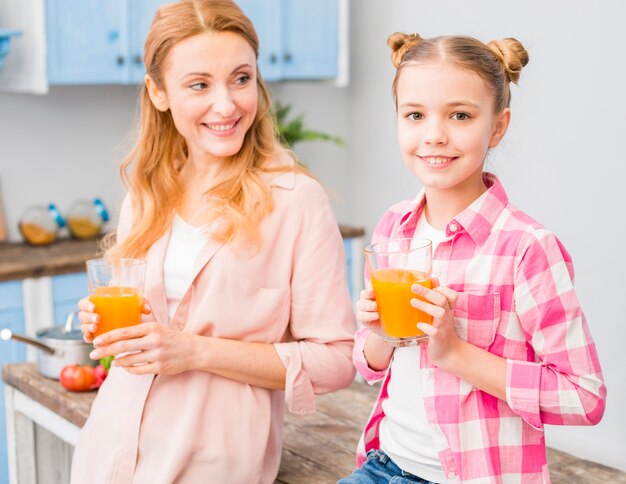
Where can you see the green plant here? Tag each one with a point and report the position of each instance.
(293, 131)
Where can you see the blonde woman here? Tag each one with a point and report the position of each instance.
(247, 306)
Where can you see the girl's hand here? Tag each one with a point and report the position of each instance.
(443, 341)
(147, 348)
(90, 319)
(367, 312)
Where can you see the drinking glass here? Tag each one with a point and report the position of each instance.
(394, 266)
(116, 289)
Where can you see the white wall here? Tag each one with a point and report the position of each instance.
(561, 161)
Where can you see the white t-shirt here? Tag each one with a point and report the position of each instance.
(185, 243)
(404, 431)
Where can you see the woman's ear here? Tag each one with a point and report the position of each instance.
(499, 129)
(157, 96)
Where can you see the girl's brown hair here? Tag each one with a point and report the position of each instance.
(243, 198)
(498, 62)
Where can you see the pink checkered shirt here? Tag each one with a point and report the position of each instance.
(516, 300)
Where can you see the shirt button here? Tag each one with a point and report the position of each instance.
(428, 374)
(453, 227)
(451, 476)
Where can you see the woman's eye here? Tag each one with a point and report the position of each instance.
(243, 79)
(199, 86)
(461, 116)
(414, 116)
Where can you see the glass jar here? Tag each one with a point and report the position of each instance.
(40, 225)
(85, 219)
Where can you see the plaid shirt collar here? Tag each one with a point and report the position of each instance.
(477, 219)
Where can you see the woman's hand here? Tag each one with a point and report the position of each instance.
(89, 318)
(367, 311)
(443, 341)
(147, 348)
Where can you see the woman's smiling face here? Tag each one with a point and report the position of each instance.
(211, 91)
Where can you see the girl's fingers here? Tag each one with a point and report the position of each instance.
(367, 293)
(86, 305)
(429, 329)
(435, 297)
(366, 305)
(449, 294)
(367, 317)
(432, 309)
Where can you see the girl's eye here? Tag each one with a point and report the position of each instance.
(461, 116)
(243, 79)
(199, 86)
(414, 116)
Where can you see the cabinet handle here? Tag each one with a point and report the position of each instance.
(137, 60)
(273, 59)
(120, 60)
(287, 57)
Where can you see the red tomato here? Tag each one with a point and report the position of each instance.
(101, 375)
(78, 378)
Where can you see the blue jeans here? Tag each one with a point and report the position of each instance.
(380, 469)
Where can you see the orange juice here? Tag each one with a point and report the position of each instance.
(117, 306)
(392, 289)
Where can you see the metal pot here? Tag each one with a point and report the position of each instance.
(59, 346)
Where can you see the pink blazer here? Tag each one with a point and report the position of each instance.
(197, 427)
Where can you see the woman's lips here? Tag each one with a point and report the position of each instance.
(223, 128)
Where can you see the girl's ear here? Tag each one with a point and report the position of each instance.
(157, 96)
(499, 129)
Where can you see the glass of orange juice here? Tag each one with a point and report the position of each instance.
(116, 290)
(394, 266)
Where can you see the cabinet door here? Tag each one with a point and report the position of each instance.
(11, 317)
(265, 16)
(67, 290)
(86, 41)
(310, 39)
(140, 16)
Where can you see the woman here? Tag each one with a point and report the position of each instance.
(247, 306)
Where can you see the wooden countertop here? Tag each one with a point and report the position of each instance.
(319, 448)
(19, 260)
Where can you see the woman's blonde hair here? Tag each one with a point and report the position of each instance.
(498, 62)
(243, 198)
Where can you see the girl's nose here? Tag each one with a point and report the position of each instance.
(435, 133)
(223, 102)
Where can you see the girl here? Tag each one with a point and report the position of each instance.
(509, 349)
(248, 306)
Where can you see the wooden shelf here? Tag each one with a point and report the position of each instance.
(19, 260)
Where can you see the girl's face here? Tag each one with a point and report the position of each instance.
(446, 123)
(211, 92)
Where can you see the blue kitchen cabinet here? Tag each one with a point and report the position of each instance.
(67, 290)
(11, 317)
(97, 42)
(310, 39)
(101, 42)
(299, 38)
(85, 42)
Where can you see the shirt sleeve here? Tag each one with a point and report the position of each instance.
(564, 386)
(125, 221)
(322, 321)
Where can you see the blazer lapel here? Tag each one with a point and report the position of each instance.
(155, 290)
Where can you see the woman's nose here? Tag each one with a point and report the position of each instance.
(223, 102)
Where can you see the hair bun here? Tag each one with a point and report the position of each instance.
(511, 53)
(399, 44)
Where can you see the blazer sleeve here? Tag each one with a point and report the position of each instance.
(322, 322)
(564, 386)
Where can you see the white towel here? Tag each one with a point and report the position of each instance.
(25, 65)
